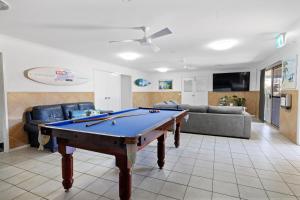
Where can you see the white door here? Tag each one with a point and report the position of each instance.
(126, 92)
(107, 90)
(188, 95)
(194, 91)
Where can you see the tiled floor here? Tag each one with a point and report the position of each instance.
(205, 167)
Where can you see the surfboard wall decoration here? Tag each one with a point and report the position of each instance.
(55, 76)
(141, 82)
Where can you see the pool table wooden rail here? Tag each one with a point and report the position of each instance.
(123, 148)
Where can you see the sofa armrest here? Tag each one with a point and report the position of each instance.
(247, 125)
(27, 116)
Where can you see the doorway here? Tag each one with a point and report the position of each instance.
(272, 88)
(107, 88)
(2, 107)
(194, 91)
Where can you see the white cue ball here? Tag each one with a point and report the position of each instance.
(114, 122)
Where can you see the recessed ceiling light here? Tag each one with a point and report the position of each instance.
(221, 45)
(162, 69)
(129, 55)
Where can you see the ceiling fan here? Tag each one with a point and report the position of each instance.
(187, 66)
(147, 39)
(3, 5)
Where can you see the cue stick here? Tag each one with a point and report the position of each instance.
(111, 118)
(88, 120)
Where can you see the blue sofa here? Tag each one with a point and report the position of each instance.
(51, 113)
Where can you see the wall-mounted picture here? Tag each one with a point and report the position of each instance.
(141, 82)
(165, 84)
(289, 73)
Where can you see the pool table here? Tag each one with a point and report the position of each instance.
(122, 138)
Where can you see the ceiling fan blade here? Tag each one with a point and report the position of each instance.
(163, 32)
(125, 41)
(154, 47)
(3, 5)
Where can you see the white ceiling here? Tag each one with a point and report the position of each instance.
(84, 27)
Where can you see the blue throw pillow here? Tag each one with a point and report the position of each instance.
(77, 114)
(83, 113)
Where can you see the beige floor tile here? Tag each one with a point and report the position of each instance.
(226, 188)
(4, 186)
(98, 171)
(251, 193)
(295, 189)
(279, 196)
(28, 196)
(20, 177)
(100, 186)
(151, 185)
(139, 194)
(161, 197)
(249, 181)
(11, 193)
(203, 172)
(276, 186)
(83, 181)
(61, 194)
(46, 188)
(197, 194)
(217, 196)
(224, 176)
(201, 183)
(9, 171)
(173, 190)
(84, 195)
(32, 183)
(180, 178)
(159, 173)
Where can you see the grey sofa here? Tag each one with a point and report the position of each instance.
(214, 120)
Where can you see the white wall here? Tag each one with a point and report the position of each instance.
(21, 55)
(2, 102)
(178, 76)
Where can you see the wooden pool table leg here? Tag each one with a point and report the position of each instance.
(67, 165)
(124, 177)
(177, 135)
(161, 150)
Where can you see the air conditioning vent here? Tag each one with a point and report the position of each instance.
(3, 5)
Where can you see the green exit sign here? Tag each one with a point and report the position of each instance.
(280, 40)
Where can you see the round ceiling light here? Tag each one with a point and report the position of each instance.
(129, 55)
(162, 69)
(221, 45)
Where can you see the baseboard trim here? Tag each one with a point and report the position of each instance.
(18, 148)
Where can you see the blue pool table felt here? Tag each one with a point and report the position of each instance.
(124, 127)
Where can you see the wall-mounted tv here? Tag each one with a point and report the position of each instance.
(224, 82)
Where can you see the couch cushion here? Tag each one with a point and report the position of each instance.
(225, 109)
(198, 109)
(184, 107)
(86, 106)
(47, 113)
(67, 108)
(165, 106)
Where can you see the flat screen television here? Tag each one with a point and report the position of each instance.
(225, 82)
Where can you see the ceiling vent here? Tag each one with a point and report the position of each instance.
(3, 5)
